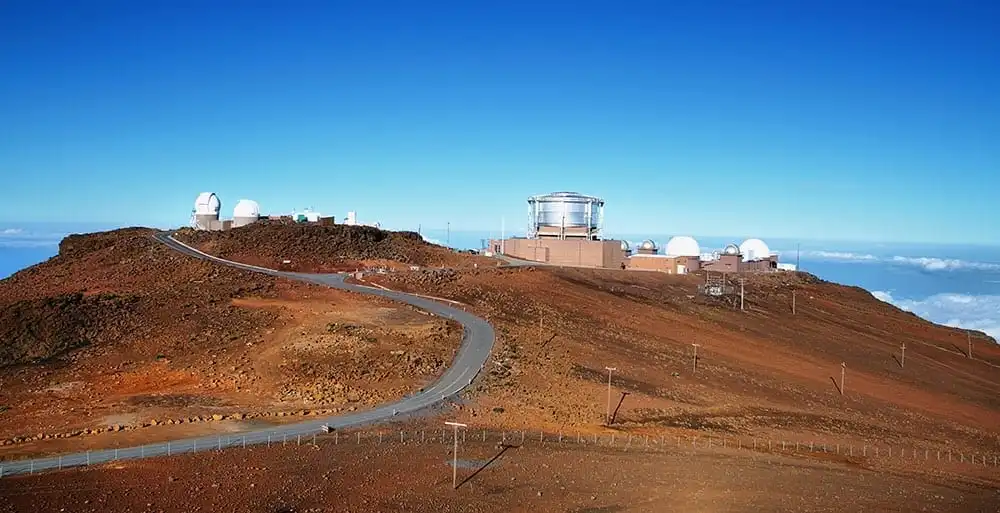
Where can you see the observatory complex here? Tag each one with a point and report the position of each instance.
(207, 206)
(567, 228)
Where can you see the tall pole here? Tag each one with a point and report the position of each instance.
(843, 374)
(695, 362)
(793, 301)
(902, 356)
(448, 237)
(454, 461)
(797, 246)
(607, 418)
(503, 229)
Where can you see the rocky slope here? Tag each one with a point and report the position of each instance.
(323, 248)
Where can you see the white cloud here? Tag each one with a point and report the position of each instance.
(925, 263)
(432, 241)
(957, 310)
(11, 231)
(843, 255)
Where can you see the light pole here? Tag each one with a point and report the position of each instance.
(454, 464)
(607, 418)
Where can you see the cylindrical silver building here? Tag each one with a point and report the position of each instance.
(565, 215)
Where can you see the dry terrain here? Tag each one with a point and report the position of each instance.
(761, 372)
(327, 248)
(416, 477)
(120, 340)
(118, 330)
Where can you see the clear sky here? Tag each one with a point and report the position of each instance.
(819, 119)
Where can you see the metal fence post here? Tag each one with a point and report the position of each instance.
(336, 438)
(116, 454)
(195, 447)
(244, 441)
(88, 457)
(31, 467)
(269, 439)
(314, 439)
(298, 440)
(60, 462)
(400, 436)
(168, 453)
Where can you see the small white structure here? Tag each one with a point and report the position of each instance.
(206, 211)
(352, 218)
(245, 212)
(682, 245)
(754, 249)
(786, 267)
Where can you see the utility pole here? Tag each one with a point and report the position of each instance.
(695, 362)
(741, 294)
(607, 418)
(902, 355)
(843, 374)
(454, 464)
(503, 234)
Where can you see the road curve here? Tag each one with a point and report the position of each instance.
(477, 342)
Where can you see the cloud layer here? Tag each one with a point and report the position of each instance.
(21, 238)
(957, 310)
(925, 263)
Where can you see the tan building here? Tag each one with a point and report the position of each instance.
(570, 252)
(664, 263)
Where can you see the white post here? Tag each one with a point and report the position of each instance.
(503, 229)
(607, 418)
(454, 465)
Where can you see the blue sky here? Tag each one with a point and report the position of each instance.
(819, 119)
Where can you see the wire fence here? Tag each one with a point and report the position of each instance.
(879, 452)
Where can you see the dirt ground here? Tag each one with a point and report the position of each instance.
(205, 349)
(417, 477)
(761, 372)
(328, 248)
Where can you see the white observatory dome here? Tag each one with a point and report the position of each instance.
(625, 246)
(682, 245)
(246, 208)
(207, 204)
(731, 249)
(648, 245)
(754, 249)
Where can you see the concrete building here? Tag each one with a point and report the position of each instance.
(569, 252)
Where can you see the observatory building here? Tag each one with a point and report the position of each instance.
(245, 212)
(565, 228)
(681, 255)
(205, 215)
(565, 215)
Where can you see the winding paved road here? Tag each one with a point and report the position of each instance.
(477, 342)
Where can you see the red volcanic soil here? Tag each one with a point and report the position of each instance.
(416, 477)
(762, 371)
(327, 248)
(119, 332)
